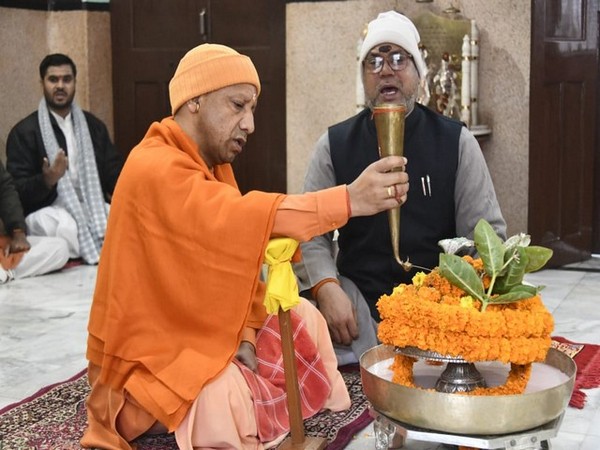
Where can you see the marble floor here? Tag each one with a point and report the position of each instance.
(43, 334)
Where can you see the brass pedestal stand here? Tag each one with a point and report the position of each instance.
(459, 375)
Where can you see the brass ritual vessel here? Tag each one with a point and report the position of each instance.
(389, 122)
(465, 414)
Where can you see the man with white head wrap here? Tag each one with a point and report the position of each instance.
(451, 189)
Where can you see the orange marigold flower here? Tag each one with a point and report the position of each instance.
(434, 315)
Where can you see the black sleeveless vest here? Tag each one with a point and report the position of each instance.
(365, 250)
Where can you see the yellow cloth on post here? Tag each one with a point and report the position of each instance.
(282, 288)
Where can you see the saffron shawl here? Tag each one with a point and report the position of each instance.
(178, 277)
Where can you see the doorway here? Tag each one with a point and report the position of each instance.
(564, 158)
(149, 37)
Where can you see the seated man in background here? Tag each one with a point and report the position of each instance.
(451, 189)
(177, 320)
(64, 164)
(21, 257)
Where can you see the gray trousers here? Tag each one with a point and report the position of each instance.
(367, 327)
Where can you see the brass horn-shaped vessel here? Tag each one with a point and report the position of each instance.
(389, 122)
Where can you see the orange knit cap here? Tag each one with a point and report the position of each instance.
(207, 68)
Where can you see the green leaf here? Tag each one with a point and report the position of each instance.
(538, 257)
(506, 263)
(517, 293)
(513, 275)
(461, 274)
(530, 289)
(490, 248)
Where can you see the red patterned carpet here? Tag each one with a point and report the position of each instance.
(54, 419)
(587, 359)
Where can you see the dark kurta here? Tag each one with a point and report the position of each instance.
(25, 153)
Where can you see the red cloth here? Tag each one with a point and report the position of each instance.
(587, 359)
(268, 386)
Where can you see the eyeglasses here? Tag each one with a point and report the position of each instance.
(396, 60)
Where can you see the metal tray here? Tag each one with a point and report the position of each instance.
(464, 414)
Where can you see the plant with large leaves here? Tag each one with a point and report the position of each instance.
(505, 263)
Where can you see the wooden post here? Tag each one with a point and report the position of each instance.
(298, 439)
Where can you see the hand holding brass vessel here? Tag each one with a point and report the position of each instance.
(389, 122)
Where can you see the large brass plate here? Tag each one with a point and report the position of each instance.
(464, 414)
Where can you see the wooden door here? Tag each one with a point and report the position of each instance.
(563, 122)
(149, 37)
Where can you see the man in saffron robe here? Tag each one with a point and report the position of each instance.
(178, 306)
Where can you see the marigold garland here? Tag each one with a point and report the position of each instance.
(515, 383)
(434, 315)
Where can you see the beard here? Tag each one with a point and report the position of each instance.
(408, 101)
(408, 92)
(62, 105)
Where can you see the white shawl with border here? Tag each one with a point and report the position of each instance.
(90, 213)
